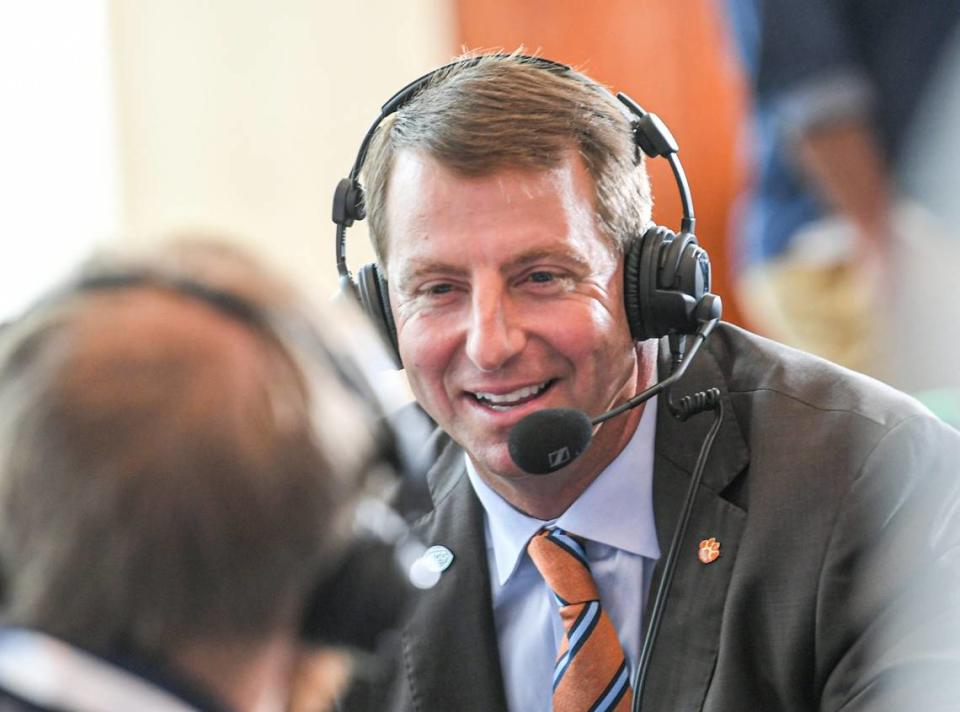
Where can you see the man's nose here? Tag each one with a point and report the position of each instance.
(494, 334)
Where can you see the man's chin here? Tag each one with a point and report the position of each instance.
(494, 461)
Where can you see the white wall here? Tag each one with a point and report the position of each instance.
(58, 169)
(242, 115)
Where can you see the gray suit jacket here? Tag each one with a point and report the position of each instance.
(835, 501)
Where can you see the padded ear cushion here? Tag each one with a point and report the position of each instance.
(631, 286)
(641, 266)
(375, 300)
(384, 292)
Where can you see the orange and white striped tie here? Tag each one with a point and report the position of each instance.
(591, 673)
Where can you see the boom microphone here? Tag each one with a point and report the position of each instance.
(550, 439)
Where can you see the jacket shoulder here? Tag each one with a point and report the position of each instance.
(774, 373)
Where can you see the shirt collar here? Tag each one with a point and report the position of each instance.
(616, 509)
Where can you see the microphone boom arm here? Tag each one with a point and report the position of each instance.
(702, 333)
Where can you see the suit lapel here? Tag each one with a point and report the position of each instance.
(449, 646)
(450, 649)
(685, 652)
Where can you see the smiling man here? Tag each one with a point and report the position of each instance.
(503, 195)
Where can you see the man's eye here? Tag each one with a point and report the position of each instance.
(542, 277)
(437, 289)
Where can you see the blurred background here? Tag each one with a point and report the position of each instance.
(131, 120)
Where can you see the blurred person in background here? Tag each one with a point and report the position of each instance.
(178, 475)
(837, 86)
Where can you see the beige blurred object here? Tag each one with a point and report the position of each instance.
(318, 679)
(823, 310)
(895, 319)
(819, 298)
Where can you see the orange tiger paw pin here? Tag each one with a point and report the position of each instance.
(709, 551)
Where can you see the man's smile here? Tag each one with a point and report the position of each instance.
(513, 398)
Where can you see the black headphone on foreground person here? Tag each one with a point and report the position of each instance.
(367, 590)
(666, 274)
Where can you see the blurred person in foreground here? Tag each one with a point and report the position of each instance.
(820, 568)
(175, 483)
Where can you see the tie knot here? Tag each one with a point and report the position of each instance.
(562, 562)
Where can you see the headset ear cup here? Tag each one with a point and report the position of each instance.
(641, 266)
(375, 300)
(675, 258)
(666, 277)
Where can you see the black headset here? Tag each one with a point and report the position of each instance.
(666, 274)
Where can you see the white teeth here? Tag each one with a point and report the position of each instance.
(513, 396)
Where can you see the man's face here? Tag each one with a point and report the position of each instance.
(507, 300)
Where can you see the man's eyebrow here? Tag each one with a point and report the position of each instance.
(431, 269)
(435, 268)
(539, 255)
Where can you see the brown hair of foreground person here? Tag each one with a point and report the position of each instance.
(172, 477)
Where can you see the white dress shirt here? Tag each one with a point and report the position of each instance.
(615, 517)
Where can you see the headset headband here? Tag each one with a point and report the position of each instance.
(651, 135)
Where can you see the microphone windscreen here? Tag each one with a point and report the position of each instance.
(549, 440)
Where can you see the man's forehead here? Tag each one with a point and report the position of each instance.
(539, 208)
(417, 164)
(422, 189)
